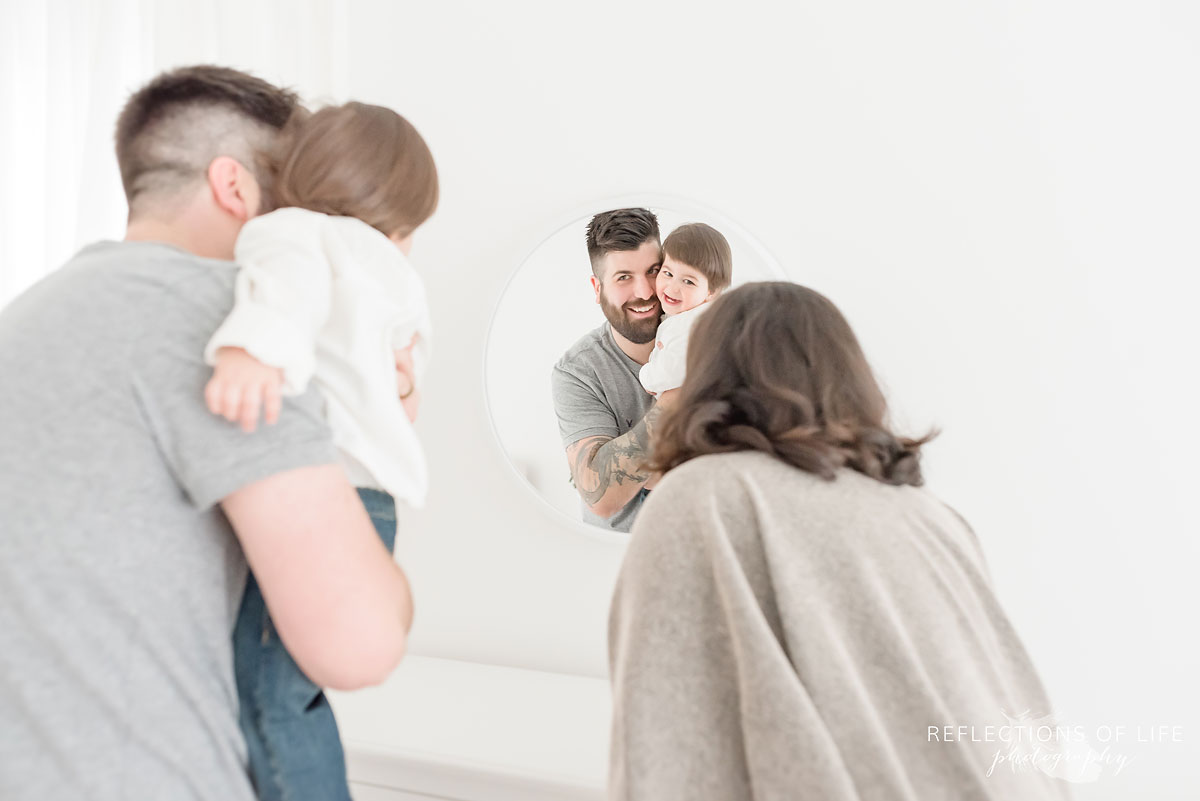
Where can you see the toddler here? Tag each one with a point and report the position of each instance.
(697, 265)
(326, 294)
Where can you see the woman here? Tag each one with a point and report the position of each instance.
(795, 618)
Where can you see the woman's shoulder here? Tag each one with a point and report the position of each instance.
(737, 493)
(725, 485)
(747, 479)
(727, 468)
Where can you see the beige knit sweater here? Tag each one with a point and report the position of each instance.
(777, 636)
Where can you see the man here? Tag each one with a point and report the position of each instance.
(605, 417)
(128, 512)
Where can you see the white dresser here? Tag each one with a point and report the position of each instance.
(445, 730)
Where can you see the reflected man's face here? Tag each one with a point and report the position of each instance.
(627, 295)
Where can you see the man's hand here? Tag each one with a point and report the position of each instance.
(241, 387)
(406, 379)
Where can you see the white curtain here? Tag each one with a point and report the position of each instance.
(66, 68)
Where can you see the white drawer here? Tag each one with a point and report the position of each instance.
(461, 731)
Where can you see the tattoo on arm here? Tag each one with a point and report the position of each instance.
(602, 464)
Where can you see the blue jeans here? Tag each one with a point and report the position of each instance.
(292, 737)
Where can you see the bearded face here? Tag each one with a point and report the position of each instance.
(636, 319)
(627, 294)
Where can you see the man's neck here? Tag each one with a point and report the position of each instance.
(189, 221)
(184, 238)
(639, 353)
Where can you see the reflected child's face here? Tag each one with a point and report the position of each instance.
(679, 287)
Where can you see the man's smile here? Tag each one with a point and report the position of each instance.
(643, 310)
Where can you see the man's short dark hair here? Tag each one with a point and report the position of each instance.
(618, 230)
(172, 128)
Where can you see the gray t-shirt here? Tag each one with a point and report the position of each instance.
(120, 578)
(597, 391)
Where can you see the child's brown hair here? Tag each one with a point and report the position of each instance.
(702, 248)
(357, 160)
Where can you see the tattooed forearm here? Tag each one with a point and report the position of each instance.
(615, 468)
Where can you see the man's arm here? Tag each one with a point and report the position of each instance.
(341, 604)
(609, 471)
(339, 601)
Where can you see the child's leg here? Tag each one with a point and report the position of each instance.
(382, 509)
(291, 735)
(247, 659)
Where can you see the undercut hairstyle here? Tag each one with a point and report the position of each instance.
(171, 129)
(774, 367)
(704, 249)
(619, 230)
(358, 160)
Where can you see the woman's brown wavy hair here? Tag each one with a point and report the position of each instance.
(774, 367)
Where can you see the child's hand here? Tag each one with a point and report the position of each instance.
(241, 387)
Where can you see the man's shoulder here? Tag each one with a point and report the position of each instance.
(119, 288)
(148, 268)
(161, 302)
(586, 353)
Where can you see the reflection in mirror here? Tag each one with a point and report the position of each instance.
(565, 386)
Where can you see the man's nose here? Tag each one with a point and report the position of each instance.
(645, 288)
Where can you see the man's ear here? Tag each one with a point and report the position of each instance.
(596, 287)
(234, 188)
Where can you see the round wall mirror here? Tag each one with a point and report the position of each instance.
(548, 305)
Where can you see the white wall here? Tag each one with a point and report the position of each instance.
(1002, 197)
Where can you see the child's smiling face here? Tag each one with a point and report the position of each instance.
(680, 287)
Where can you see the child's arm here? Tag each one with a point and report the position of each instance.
(667, 364)
(266, 346)
(241, 385)
(665, 368)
